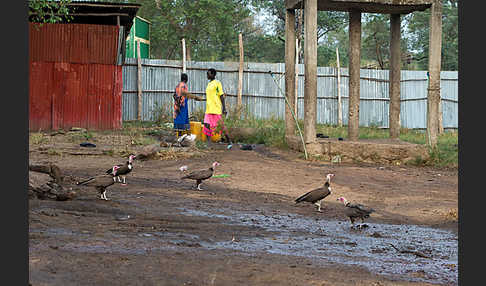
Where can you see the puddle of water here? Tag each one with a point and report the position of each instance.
(329, 241)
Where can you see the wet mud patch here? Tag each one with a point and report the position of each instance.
(331, 241)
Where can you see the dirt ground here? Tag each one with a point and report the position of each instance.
(159, 230)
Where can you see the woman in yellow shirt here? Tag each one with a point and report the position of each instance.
(215, 107)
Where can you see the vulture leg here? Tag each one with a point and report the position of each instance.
(318, 204)
(104, 195)
(119, 180)
(362, 225)
(124, 181)
(198, 183)
(352, 222)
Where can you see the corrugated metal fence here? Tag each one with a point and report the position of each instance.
(264, 99)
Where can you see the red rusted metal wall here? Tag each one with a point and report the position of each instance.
(74, 79)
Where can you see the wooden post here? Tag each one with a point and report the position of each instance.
(184, 55)
(297, 50)
(441, 124)
(394, 87)
(354, 73)
(310, 61)
(340, 104)
(289, 70)
(433, 92)
(240, 76)
(139, 82)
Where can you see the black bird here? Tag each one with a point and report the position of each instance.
(101, 182)
(317, 195)
(200, 175)
(123, 170)
(356, 211)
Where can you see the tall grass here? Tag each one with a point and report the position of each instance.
(271, 132)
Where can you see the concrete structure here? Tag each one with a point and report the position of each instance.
(355, 8)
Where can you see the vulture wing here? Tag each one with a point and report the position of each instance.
(314, 195)
(361, 208)
(98, 181)
(123, 170)
(199, 174)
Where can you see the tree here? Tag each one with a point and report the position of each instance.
(49, 11)
(418, 27)
(210, 27)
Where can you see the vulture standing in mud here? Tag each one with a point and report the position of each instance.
(101, 182)
(200, 175)
(356, 211)
(317, 195)
(123, 170)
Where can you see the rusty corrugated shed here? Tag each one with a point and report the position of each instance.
(74, 79)
(73, 43)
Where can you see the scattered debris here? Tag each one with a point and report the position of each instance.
(55, 186)
(417, 253)
(87, 144)
(336, 159)
(78, 129)
(248, 147)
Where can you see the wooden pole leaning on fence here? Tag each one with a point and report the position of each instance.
(139, 82)
(296, 101)
(184, 69)
(240, 76)
(340, 112)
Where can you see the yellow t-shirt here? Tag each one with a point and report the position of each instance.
(213, 91)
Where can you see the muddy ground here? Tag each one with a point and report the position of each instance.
(244, 229)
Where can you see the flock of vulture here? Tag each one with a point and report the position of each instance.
(353, 211)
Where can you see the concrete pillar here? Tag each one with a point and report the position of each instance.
(310, 73)
(290, 70)
(354, 73)
(394, 92)
(433, 92)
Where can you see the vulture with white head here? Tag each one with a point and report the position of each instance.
(200, 175)
(317, 195)
(101, 182)
(356, 211)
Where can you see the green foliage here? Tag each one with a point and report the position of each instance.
(49, 11)
(418, 27)
(210, 27)
(37, 138)
(270, 132)
(163, 113)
